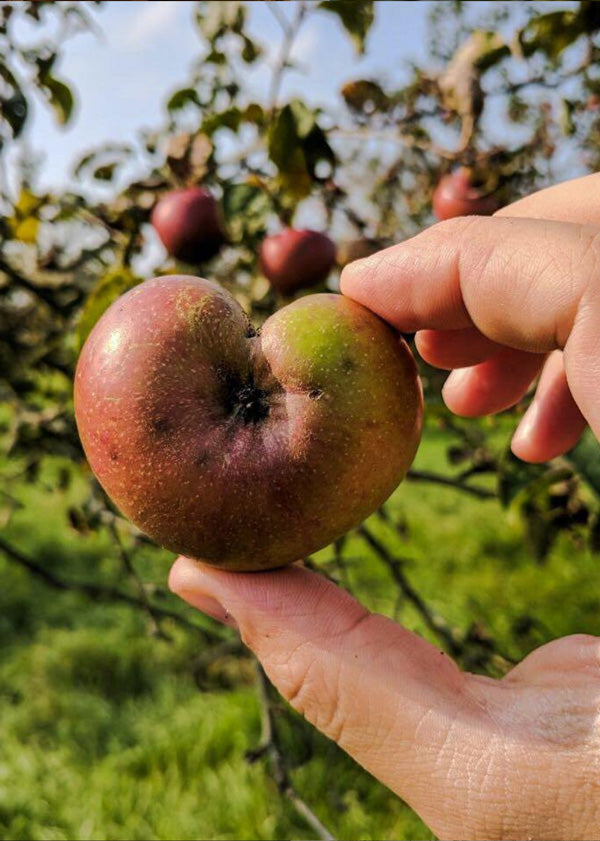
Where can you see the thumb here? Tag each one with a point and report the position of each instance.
(386, 696)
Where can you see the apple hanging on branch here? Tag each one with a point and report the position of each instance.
(245, 449)
(296, 259)
(188, 224)
(458, 194)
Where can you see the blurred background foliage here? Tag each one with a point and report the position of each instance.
(124, 714)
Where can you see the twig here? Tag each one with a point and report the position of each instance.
(270, 746)
(139, 584)
(448, 481)
(279, 16)
(434, 621)
(290, 30)
(99, 592)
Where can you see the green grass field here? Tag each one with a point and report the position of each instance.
(106, 734)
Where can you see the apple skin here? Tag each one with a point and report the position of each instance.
(246, 451)
(188, 224)
(296, 259)
(456, 195)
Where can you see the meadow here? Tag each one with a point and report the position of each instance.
(110, 731)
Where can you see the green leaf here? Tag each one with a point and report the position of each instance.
(216, 57)
(585, 458)
(245, 208)
(514, 476)
(287, 154)
(305, 118)
(232, 118)
(105, 158)
(181, 98)
(356, 17)
(296, 144)
(105, 172)
(107, 289)
(365, 95)
(551, 33)
(215, 19)
(61, 99)
(254, 113)
(14, 110)
(250, 51)
(13, 106)
(59, 94)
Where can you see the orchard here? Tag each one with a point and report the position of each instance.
(179, 373)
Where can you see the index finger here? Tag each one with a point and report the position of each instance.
(519, 281)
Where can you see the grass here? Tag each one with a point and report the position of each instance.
(106, 733)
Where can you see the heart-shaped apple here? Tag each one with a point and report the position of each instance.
(242, 449)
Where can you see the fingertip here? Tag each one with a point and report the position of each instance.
(523, 444)
(180, 573)
(553, 423)
(353, 276)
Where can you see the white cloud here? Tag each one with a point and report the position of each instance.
(147, 21)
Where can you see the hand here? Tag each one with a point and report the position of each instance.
(501, 299)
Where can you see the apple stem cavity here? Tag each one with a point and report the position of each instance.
(247, 402)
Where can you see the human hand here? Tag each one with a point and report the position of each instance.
(477, 758)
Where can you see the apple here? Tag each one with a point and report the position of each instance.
(356, 249)
(458, 195)
(296, 259)
(242, 448)
(188, 224)
(593, 102)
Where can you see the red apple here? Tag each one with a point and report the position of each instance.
(296, 259)
(188, 223)
(457, 195)
(246, 450)
(593, 102)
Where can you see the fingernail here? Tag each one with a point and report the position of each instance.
(187, 581)
(455, 382)
(209, 606)
(526, 427)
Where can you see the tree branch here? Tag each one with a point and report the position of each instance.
(127, 562)
(434, 621)
(270, 746)
(98, 592)
(448, 481)
(290, 31)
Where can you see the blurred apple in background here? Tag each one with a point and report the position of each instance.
(458, 194)
(188, 224)
(296, 259)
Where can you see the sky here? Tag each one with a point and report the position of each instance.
(141, 52)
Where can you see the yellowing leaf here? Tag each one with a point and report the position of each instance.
(27, 230)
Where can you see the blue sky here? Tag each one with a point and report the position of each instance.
(142, 51)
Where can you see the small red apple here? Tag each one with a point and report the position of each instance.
(296, 259)
(593, 102)
(188, 223)
(457, 195)
(242, 449)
